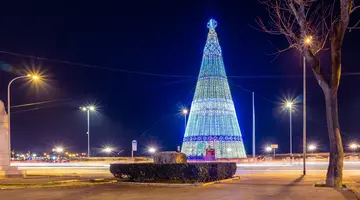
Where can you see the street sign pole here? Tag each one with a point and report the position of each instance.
(274, 153)
(274, 146)
(133, 148)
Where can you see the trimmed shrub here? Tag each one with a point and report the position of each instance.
(187, 173)
(169, 157)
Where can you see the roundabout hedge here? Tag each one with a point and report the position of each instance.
(184, 172)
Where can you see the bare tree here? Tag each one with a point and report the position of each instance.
(311, 26)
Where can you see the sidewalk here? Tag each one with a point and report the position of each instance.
(250, 187)
(39, 180)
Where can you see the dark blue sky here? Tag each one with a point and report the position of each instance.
(162, 37)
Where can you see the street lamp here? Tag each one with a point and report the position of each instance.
(312, 147)
(108, 149)
(354, 146)
(32, 77)
(58, 149)
(185, 112)
(268, 149)
(307, 42)
(289, 105)
(88, 109)
(152, 150)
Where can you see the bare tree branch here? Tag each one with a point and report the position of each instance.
(310, 26)
(356, 26)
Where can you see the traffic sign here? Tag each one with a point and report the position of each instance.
(274, 146)
(134, 145)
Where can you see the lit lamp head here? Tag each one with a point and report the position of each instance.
(289, 104)
(92, 108)
(312, 147)
(268, 149)
(33, 77)
(152, 150)
(308, 40)
(107, 149)
(185, 111)
(353, 146)
(86, 108)
(59, 149)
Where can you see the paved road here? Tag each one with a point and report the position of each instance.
(351, 168)
(311, 167)
(249, 188)
(266, 181)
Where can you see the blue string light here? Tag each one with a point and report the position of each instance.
(212, 120)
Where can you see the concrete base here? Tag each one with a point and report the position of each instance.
(11, 172)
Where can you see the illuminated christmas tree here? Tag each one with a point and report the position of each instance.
(212, 119)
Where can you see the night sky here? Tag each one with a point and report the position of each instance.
(163, 41)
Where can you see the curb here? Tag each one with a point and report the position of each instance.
(356, 192)
(181, 184)
(162, 184)
(66, 183)
(221, 181)
(353, 189)
(345, 184)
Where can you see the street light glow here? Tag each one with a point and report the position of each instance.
(308, 40)
(185, 111)
(86, 108)
(289, 104)
(108, 149)
(354, 146)
(33, 76)
(312, 147)
(268, 149)
(152, 150)
(58, 149)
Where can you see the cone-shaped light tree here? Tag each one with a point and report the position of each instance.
(212, 120)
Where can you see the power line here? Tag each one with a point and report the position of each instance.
(32, 109)
(257, 94)
(94, 66)
(39, 103)
(158, 74)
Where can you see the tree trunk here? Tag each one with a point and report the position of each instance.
(334, 173)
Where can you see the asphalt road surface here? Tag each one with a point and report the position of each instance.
(351, 168)
(293, 187)
(270, 181)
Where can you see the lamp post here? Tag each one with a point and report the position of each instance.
(151, 150)
(354, 146)
(88, 109)
(29, 76)
(58, 150)
(312, 148)
(185, 112)
(108, 150)
(289, 105)
(307, 42)
(268, 149)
